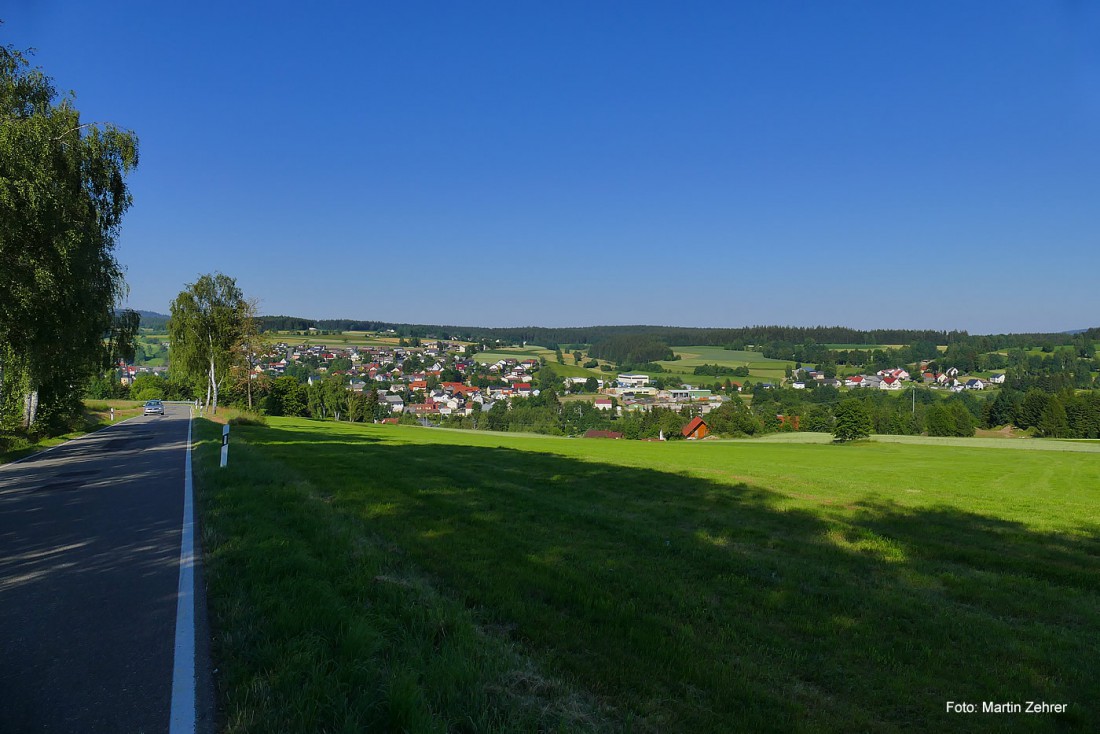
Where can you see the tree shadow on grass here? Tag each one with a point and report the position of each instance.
(694, 605)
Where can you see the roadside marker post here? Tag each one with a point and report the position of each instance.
(225, 445)
(112, 415)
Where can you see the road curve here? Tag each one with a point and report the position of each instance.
(89, 574)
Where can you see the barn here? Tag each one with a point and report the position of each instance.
(697, 428)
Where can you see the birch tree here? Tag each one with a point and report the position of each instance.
(62, 198)
(253, 346)
(206, 324)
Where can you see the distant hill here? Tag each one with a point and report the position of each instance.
(153, 320)
(736, 338)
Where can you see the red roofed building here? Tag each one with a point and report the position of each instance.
(697, 428)
(602, 434)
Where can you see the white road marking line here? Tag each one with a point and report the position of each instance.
(183, 669)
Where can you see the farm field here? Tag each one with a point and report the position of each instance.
(397, 578)
(760, 367)
(341, 340)
(569, 369)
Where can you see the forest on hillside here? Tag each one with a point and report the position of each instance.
(786, 337)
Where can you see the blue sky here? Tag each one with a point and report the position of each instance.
(572, 163)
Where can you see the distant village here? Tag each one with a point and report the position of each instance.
(439, 378)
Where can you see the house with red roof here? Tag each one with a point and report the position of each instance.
(696, 429)
(593, 433)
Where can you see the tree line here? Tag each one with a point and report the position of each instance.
(739, 337)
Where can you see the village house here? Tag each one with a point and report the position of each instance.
(632, 380)
(593, 433)
(695, 429)
(897, 373)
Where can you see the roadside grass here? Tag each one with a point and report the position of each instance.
(322, 624)
(97, 414)
(395, 578)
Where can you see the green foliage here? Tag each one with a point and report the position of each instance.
(147, 386)
(817, 419)
(1032, 407)
(334, 396)
(949, 418)
(631, 349)
(718, 370)
(549, 379)
(651, 423)
(62, 199)
(733, 418)
(106, 386)
(247, 419)
(207, 324)
(853, 421)
(1004, 408)
(1053, 421)
(287, 397)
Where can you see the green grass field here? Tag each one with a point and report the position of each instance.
(569, 369)
(341, 340)
(389, 578)
(760, 367)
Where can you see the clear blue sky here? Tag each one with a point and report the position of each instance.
(867, 164)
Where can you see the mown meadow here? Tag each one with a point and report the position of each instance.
(392, 578)
(760, 367)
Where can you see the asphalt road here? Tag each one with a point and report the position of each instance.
(89, 573)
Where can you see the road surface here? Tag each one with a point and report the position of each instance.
(90, 538)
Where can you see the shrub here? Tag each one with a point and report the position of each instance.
(248, 419)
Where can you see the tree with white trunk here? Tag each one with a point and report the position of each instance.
(207, 323)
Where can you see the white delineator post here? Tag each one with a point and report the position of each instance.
(225, 445)
(112, 415)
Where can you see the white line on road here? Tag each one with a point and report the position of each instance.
(183, 670)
